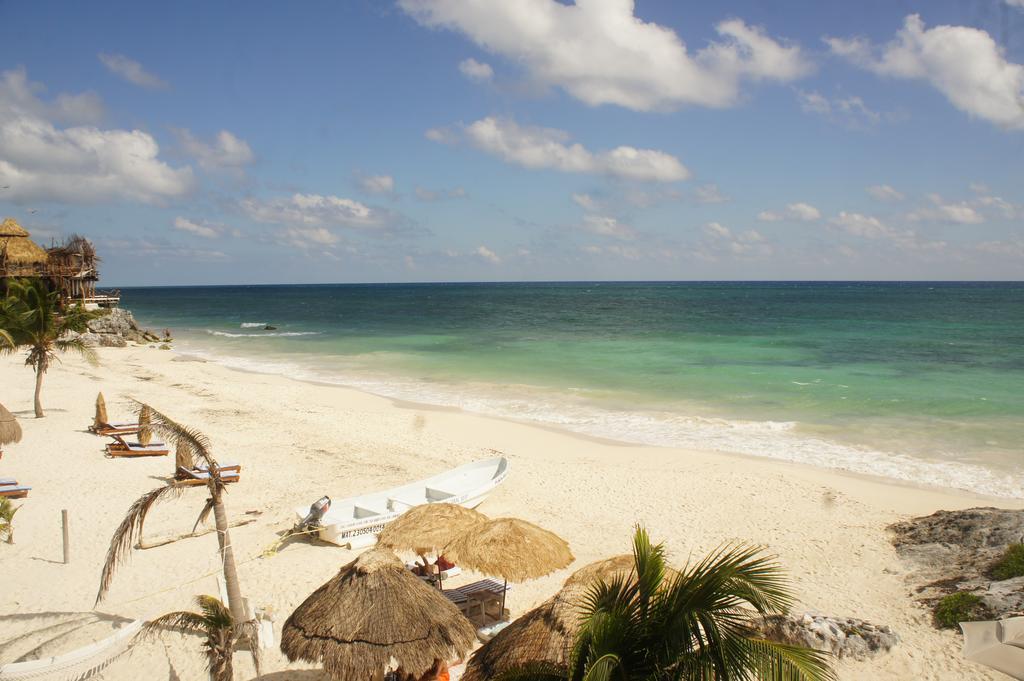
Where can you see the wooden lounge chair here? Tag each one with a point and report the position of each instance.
(122, 448)
(14, 491)
(8, 481)
(479, 601)
(114, 428)
(185, 476)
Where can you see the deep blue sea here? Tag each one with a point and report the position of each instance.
(921, 382)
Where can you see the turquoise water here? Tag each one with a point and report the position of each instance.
(917, 381)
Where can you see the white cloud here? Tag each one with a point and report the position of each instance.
(601, 53)
(535, 147)
(488, 255)
(849, 111)
(1015, 3)
(442, 135)
(476, 71)
(81, 164)
(377, 184)
(586, 202)
(883, 192)
(721, 239)
(313, 210)
(965, 64)
(709, 193)
(131, 70)
(960, 212)
(1013, 248)
(225, 152)
(862, 225)
(605, 225)
(801, 212)
(200, 229)
(310, 237)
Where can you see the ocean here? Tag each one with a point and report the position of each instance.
(921, 382)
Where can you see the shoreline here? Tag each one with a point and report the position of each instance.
(225, 362)
(297, 441)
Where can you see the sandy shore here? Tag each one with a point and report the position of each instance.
(298, 441)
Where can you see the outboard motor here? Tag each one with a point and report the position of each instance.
(317, 510)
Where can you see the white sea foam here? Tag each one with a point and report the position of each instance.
(252, 325)
(781, 440)
(268, 334)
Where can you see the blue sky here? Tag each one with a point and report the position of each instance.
(437, 140)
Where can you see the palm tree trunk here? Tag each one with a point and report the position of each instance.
(228, 555)
(40, 370)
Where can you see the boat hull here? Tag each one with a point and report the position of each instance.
(355, 521)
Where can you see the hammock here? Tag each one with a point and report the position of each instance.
(78, 664)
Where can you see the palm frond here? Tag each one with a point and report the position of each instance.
(249, 631)
(603, 669)
(129, 531)
(6, 340)
(180, 621)
(205, 513)
(772, 661)
(183, 436)
(534, 671)
(77, 345)
(215, 613)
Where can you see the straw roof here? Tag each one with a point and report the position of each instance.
(10, 429)
(145, 433)
(510, 548)
(546, 633)
(430, 527)
(372, 612)
(101, 417)
(17, 247)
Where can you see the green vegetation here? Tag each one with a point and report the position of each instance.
(654, 624)
(7, 511)
(215, 623)
(1011, 564)
(959, 607)
(30, 317)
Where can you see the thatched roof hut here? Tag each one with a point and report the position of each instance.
(513, 549)
(19, 255)
(429, 527)
(374, 613)
(10, 429)
(546, 633)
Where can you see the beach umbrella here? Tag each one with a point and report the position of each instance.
(10, 429)
(546, 633)
(429, 527)
(373, 614)
(996, 644)
(145, 434)
(510, 548)
(101, 411)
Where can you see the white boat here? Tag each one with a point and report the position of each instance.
(355, 521)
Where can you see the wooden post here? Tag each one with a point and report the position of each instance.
(64, 529)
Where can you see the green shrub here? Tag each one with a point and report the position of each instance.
(959, 607)
(1011, 564)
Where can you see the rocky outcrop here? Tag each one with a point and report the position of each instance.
(954, 551)
(115, 329)
(840, 636)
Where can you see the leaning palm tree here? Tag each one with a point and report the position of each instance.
(214, 621)
(655, 625)
(130, 529)
(30, 317)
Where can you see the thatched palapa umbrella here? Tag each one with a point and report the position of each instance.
(512, 549)
(372, 614)
(546, 633)
(429, 528)
(145, 434)
(10, 429)
(101, 418)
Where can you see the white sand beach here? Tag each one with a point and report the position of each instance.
(297, 441)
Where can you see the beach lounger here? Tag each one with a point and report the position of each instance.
(473, 600)
(196, 477)
(115, 429)
(14, 491)
(122, 448)
(8, 481)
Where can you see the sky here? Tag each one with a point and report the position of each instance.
(475, 140)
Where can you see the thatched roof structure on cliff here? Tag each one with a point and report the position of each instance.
(19, 255)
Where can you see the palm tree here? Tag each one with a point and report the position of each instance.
(221, 630)
(130, 529)
(657, 625)
(30, 318)
(7, 511)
